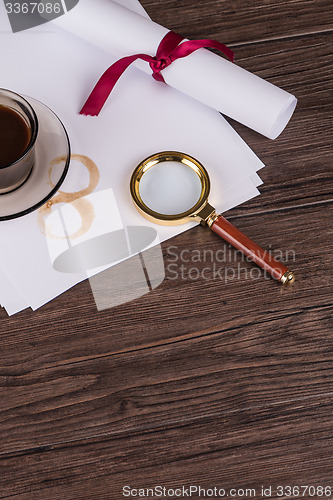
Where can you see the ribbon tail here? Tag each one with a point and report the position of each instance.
(105, 84)
(186, 48)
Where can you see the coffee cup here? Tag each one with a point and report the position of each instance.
(18, 134)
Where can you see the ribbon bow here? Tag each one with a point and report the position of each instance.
(169, 49)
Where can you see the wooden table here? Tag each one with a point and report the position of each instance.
(222, 383)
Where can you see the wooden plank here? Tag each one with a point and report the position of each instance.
(213, 346)
(254, 367)
(285, 444)
(241, 21)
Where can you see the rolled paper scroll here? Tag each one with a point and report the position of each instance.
(203, 75)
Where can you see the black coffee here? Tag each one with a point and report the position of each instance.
(14, 136)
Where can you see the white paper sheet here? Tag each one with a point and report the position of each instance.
(11, 298)
(141, 119)
(203, 75)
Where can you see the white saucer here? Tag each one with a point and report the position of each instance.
(52, 142)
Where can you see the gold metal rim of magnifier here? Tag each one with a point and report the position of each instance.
(161, 157)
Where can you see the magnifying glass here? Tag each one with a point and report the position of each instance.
(172, 188)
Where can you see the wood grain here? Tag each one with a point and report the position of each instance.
(85, 378)
(283, 444)
(242, 21)
(219, 377)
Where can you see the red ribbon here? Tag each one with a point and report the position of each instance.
(169, 49)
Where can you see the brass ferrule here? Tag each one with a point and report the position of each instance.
(207, 215)
(287, 278)
(212, 218)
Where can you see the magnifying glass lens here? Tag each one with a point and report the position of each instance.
(170, 188)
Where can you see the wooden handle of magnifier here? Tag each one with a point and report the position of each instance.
(253, 251)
